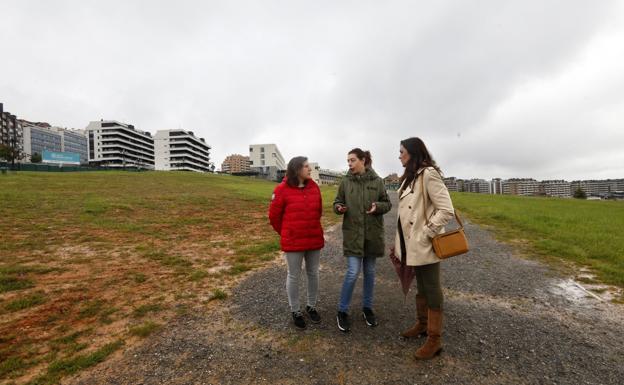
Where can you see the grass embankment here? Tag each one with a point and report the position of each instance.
(590, 233)
(90, 262)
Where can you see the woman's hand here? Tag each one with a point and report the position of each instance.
(372, 209)
(341, 208)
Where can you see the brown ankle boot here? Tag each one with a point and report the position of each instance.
(433, 345)
(420, 327)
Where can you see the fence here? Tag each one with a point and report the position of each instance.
(4, 167)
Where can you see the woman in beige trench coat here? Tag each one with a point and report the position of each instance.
(422, 188)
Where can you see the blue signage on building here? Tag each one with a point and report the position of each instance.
(60, 157)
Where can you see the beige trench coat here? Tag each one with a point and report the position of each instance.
(416, 233)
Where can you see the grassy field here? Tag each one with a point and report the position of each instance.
(92, 262)
(589, 233)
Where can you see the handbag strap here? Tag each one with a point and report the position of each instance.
(422, 189)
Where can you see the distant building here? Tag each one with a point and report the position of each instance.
(520, 186)
(115, 144)
(392, 181)
(235, 164)
(180, 150)
(329, 177)
(597, 187)
(451, 184)
(267, 160)
(496, 186)
(41, 136)
(11, 133)
(555, 188)
(479, 186)
(314, 172)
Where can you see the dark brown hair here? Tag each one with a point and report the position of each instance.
(419, 157)
(292, 171)
(363, 155)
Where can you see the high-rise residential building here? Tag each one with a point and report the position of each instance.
(520, 186)
(235, 164)
(267, 160)
(314, 172)
(479, 186)
(496, 186)
(555, 188)
(329, 177)
(597, 187)
(451, 184)
(181, 150)
(115, 144)
(11, 133)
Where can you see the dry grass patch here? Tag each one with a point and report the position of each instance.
(90, 262)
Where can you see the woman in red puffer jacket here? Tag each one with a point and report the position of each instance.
(295, 213)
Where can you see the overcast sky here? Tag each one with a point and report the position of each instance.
(495, 88)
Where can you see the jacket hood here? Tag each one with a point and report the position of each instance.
(369, 174)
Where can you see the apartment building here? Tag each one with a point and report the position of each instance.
(452, 184)
(267, 160)
(597, 187)
(555, 188)
(520, 186)
(11, 133)
(235, 164)
(180, 150)
(496, 186)
(115, 144)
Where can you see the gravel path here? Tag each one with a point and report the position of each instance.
(508, 321)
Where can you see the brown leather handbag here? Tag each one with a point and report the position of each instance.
(447, 244)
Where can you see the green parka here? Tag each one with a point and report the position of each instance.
(363, 234)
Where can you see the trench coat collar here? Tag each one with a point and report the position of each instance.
(408, 189)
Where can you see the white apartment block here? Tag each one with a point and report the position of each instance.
(266, 155)
(329, 177)
(180, 150)
(496, 186)
(266, 160)
(597, 187)
(520, 186)
(451, 184)
(479, 186)
(315, 168)
(115, 144)
(555, 188)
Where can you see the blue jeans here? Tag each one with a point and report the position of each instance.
(354, 265)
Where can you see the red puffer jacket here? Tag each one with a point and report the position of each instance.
(295, 213)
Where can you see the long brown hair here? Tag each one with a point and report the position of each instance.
(292, 171)
(419, 157)
(362, 155)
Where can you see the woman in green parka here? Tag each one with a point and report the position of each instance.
(363, 201)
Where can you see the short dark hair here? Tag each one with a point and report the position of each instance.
(292, 170)
(363, 155)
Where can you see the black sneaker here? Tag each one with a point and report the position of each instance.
(298, 319)
(343, 321)
(369, 317)
(315, 317)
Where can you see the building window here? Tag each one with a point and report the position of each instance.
(262, 163)
(261, 149)
(250, 149)
(261, 156)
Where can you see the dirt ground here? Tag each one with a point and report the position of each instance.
(508, 320)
